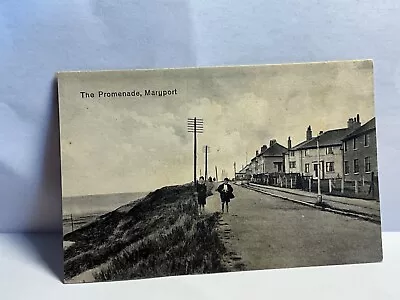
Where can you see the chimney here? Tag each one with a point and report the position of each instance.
(321, 132)
(354, 123)
(309, 133)
(256, 152)
(289, 143)
(263, 148)
(350, 123)
(271, 142)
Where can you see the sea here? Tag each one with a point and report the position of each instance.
(80, 210)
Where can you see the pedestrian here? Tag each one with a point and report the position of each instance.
(201, 194)
(226, 194)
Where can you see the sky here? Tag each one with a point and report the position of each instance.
(140, 144)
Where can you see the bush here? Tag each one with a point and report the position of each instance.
(160, 235)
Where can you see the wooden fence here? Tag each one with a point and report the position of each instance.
(73, 222)
(365, 189)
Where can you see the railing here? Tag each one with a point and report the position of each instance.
(73, 222)
(335, 186)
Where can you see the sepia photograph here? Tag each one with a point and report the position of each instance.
(218, 169)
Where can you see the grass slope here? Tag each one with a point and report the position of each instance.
(159, 235)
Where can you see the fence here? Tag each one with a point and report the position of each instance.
(365, 189)
(73, 222)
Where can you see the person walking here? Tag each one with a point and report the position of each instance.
(201, 194)
(226, 194)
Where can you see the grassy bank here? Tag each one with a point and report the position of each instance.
(159, 235)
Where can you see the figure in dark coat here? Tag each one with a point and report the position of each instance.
(201, 193)
(226, 194)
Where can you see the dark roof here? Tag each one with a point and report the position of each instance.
(275, 150)
(370, 125)
(328, 138)
(299, 145)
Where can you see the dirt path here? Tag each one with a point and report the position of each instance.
(268, 232)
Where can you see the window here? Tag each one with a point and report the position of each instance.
(330, 167)
(367, 164)
(345, 146)
(355, 143)
(279, 166)
(346, 167)
(307, 168)
(356, 166)
(291, 153)
(292, 164)
(366, 140)
(329, 150)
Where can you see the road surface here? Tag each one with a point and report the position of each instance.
(269, 232)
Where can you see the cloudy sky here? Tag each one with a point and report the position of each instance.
(140, 144)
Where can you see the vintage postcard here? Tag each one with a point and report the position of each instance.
(220, 169)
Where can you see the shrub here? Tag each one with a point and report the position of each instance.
(160, 235)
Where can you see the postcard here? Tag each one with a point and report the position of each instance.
(223, 169)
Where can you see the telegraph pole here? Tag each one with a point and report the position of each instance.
(206, 150)
(319, 196)
(216, 173)
(205, 167)
(195, 126)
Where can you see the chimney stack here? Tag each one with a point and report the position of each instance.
(321, 132)
(309, 133)
(350, 123)
(264, 148)
(256, 152)
(354, 123)
(289, 143)
(271, 142)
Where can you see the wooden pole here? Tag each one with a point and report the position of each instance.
(342, 185)
(319, 196)
(206, 163)
(194, 154)
(356, 186)
(372, 185)
(72, 223)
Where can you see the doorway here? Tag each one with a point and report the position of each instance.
(315, 170)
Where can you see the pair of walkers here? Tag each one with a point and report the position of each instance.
(225, 191)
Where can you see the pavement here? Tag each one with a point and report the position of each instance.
(268, 232)
(361, 206)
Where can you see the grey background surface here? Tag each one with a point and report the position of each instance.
(41, 38)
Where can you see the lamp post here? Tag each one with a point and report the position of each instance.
(319, 196)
